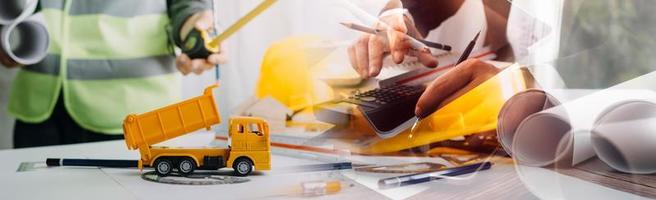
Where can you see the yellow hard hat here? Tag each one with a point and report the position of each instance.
(288, 73)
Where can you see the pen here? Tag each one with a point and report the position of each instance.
(415, 43)
(217, 73)
(53, 162)
(414, 126)
(411, 179)
(469, 49)
(320, 167)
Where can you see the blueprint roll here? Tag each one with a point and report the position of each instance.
(525, 105)
(543, 138)
(624, 137)
(518, 108)
(24, 42)
(562, 135)
(12, 11)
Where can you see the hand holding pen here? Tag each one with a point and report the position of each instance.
(453, 84)
(395, 35)
(415, 43)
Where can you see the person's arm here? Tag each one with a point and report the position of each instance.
(186, 15)
(472, 72)
(429, 14)
(496, 14)
(181, 10)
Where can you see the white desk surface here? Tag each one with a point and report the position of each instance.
(500, 182)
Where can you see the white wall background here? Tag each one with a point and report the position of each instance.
(246, 49)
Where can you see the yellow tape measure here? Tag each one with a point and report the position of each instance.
(202, 43)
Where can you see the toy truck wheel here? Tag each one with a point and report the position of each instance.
(186, 166)
(163, 166)
(242, 166)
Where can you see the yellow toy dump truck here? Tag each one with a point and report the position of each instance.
(249, 148)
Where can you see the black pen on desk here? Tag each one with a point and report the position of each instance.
(412, 179)
(54, 162)
(469, 49)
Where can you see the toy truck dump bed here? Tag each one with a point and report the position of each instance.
(171, 121)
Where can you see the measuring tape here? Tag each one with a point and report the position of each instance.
(202, 43)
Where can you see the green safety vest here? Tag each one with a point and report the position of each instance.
(108, 58)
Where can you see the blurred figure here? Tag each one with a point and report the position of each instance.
(106, 59)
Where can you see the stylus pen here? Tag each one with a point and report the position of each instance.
(53, 162)
(415, 43)
(469, 49)
(429, 176)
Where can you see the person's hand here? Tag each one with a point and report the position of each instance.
(453, 84)
(201, 21)
(367, 53)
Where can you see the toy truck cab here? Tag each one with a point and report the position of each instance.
(250, 145)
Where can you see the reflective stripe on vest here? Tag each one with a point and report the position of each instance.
(108, 37)
(114, 56)
(78, 69)
(115, 8)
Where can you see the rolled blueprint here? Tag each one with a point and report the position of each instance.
(561, 134)
(24, 42)
(518, 108)
(524, 104)
(624, 136)
(14, 10)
